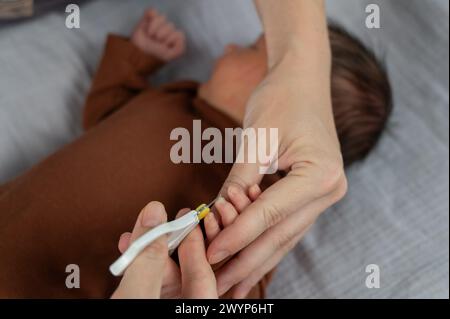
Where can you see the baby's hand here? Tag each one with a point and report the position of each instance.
(228, 211)
(156, 36)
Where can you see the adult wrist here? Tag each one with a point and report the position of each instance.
(300, 54)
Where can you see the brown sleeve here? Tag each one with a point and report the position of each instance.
(122, 74)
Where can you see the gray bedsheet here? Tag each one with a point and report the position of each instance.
(396, 213)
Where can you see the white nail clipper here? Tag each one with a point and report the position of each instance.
(178, 230)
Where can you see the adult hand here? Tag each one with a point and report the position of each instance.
(144, 277)
(295, 98)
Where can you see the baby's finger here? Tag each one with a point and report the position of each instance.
(142, 25)
(254, 192)
(226, 210)
(212, 227)
(238, 197)
(164, 31)
(176, 41)
(155, 24)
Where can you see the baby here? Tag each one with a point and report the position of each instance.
(72, 207)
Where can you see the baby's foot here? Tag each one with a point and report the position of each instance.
(158, 37)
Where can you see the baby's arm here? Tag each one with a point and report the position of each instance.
(125, 65)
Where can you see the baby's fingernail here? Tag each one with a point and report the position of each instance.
(233, 191)
(218, 257)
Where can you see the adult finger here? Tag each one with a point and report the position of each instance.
(143, 278)
(275, 204)
(171, 284)
(197, 277)
(242, 289)
(268, 244)
(171, 287)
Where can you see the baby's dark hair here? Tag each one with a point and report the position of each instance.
(361, 95)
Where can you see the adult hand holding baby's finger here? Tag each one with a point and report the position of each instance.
(295, 99)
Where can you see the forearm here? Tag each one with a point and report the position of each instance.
(295, 28)
(299, 56)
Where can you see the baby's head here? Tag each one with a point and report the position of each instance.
(361, 93)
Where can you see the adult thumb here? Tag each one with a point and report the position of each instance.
(143, 278)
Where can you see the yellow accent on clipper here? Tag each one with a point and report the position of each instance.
(202, 210)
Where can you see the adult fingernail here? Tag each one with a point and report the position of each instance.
(218, 257)
(220, 200)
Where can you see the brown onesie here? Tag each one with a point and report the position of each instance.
(72, 207)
